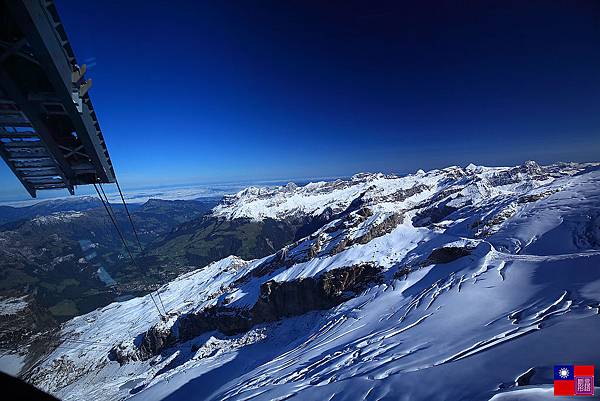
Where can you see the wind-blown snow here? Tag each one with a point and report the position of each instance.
(526, 296)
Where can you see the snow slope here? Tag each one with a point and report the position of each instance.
(517, 287)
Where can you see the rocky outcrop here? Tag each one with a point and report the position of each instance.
(438, 256)
(403, 194)
(316, 242)
(529, 169)
(276, 300)
(20, 327)
(284, 299)
(310, 225)
(351, 220)
(374, 231)
(157, 338)
(146, 345)
(433, 214)
(403, 272)
(491, 224)
(446, 255)
(228, 321)
(535, 197)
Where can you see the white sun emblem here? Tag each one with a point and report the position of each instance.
(563, 372)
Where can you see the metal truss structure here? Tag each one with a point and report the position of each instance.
(49, 133)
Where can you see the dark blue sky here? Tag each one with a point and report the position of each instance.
(200, 91)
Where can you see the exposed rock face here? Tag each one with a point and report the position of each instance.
(351, 220)
(276, 300)
(278, 260)
(19, 327)
(145, 345)
(341, 225)
(437, 256)
(403, 194)
(374, 231)
(491, 224)
(433, 214)
(444, 203)
(446, 255)
(403, 272)
(123, 354)
(283, 299)
(313, 224)
(378, 230)
(444, 194)
(63, 370)
(339, 231)
(535, 197)
(228, 321)
(295, 223)
(156, 339)
(530, 169)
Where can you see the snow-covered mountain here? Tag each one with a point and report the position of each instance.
(459, 283)
(475, 182)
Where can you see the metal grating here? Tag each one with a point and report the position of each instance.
(49, 133)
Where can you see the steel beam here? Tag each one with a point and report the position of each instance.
(50, 52)
(36, 121)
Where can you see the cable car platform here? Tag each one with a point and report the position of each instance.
(49, 133)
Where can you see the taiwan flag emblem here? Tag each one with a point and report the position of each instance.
(573, 380)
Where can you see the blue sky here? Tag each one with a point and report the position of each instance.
(209, 91)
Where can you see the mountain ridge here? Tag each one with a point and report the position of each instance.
(278, 202)
(367, 298)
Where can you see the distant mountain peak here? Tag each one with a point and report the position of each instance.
(258, 203)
